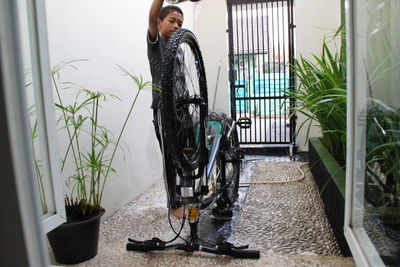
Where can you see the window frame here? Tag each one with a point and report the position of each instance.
(363, 250)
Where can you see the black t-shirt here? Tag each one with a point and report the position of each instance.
(155, 53)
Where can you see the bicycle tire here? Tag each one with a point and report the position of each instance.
(230, 164)
(184, 102)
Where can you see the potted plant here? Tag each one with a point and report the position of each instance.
(383, 160)
(382, 131)
(321, 97)
(86, 164)
(382, 185)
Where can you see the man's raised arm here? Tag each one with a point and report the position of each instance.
(153, 18)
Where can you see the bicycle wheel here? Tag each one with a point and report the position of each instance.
(230, 162)
(184, 102)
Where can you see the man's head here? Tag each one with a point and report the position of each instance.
(170, 19)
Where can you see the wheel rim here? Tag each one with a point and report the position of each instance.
(186, 88)
(230, 166)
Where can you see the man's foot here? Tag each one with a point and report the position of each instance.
(179, 212)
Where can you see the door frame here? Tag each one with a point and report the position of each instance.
(364, 252)
(289, 32)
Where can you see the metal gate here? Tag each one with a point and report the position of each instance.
(261, 48)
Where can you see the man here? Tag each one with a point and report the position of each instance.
(163, 22)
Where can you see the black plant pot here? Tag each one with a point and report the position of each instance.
(77, 241)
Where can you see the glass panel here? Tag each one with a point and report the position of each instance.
(40, 107)
(38, 142)
(376, 209)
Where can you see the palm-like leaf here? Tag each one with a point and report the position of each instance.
(91, 163)
(322, 95)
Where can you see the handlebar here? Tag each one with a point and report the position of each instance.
(236, 253)
(145, 246)
(142, 247)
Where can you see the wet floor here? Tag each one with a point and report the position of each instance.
(261, 219)
(217, 231)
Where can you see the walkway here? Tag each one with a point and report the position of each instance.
(285, 222)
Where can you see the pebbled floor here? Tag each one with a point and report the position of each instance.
(285, 217)
(296, 236)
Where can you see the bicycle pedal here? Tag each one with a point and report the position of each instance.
(244, 122)
(222, 214)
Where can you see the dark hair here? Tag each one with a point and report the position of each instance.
(168, 9)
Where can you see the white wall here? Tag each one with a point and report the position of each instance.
(315, 19)
(210, 29)
(107, 32)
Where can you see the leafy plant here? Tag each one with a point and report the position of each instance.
(383, 113)
(34, 134)
(321, 97)
(36, 161)
(91, 146)
(383, 156)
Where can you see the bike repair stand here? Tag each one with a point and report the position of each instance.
(193, 243)
(193, 218)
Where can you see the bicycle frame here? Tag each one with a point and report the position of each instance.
(198, 159)
(214, 149)
(213, 154)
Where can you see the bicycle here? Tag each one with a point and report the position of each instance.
(204, 148)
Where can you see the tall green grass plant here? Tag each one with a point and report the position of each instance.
(91, 147)
(321, 97)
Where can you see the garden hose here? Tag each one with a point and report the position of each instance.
(281, 182)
